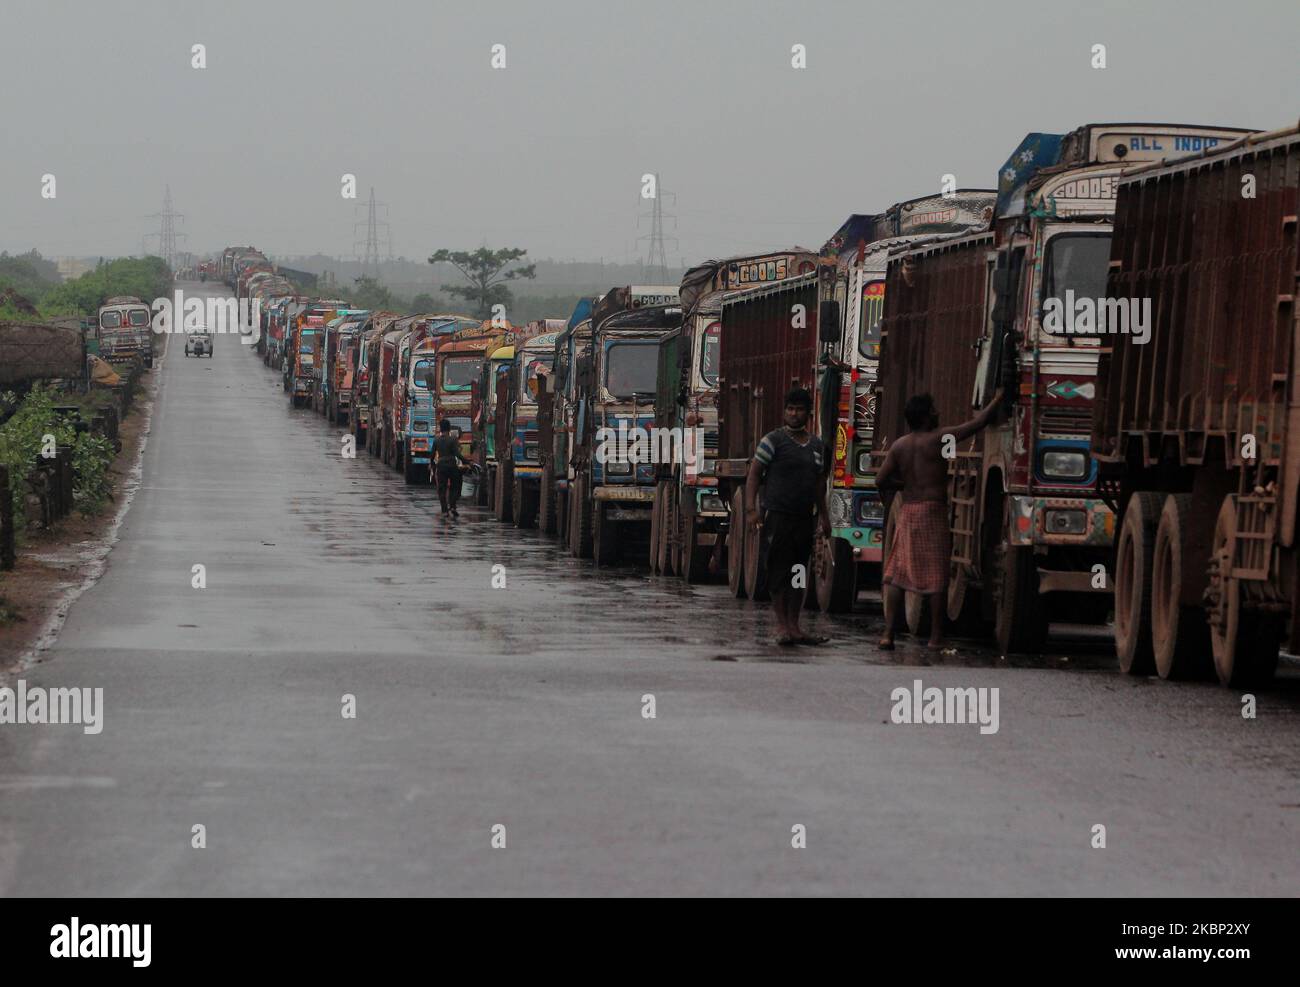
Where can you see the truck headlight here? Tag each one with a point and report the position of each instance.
(530, 451)
(870, 511)
(1066, 522)
(840, 506)
(1059, 463)
(864, 462)
(618, 469)
(712, 502)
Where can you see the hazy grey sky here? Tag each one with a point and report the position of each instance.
(547, 153)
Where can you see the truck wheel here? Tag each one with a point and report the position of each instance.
(412, 473)
(964, 617)
(1180, 637)
(736, 546)
(1134, 551)
(604, 537)
(1020, 625)
(525, 504)
(836, 574)
(1245, 645)
(656, 528)
(579, 519)
(505, 506)
(695, 558)
(755, 564)
(562, 515)
(546, 513)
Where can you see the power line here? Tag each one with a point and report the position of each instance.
(368, 252)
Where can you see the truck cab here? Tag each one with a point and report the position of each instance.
(518, 420)
(125, 331)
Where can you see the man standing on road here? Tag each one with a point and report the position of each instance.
(447, 461)
(793, 465)
(918, 559)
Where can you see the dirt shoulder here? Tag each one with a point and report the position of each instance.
(55, 567)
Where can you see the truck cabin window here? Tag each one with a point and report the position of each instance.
(1076, 262)
(535, 366)
(710, 351)
(459, 373)
(139, 317)
(111, 320)
(422, 367)
(631, 367)
(873, 307)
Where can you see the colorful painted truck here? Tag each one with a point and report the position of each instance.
(386, 418)
(774, 337)
(1031, 531)
(415, 406)
(336, 377)
(1198, 417)
(556, 434)
(612, 486)
(301, 362)
(851, 557)
(125, 331)
(492, 391)
(366, 375)
(688, 518)
(518, 419)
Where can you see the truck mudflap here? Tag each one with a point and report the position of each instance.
(631, 495)
(1061, 521)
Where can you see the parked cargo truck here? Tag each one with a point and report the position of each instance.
(1197, 429)
(1029, 524)
(125, 331)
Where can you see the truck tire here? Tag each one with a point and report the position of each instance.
(504, 501)
(1134, 552)
(415, 473)
(736, 546)
(524, 498)
(656, 529)
(562, 515)
(579, 519)
(836, 575)
(1020, 624)
(604, 535)
(695, 558)
(546, 513)
(1245, 645)
(1180, 637)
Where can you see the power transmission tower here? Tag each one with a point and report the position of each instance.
(656, 265)
(368, 249)
(167, 235)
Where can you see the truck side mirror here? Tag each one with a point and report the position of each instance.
(828, 322)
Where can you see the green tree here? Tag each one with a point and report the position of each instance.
(423, 302)
(369, 293)
(487, 272)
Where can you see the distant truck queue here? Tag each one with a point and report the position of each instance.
(1135, 307)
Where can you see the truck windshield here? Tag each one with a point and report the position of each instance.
(631, 367)
(110, 320)
(1076, 262)
(873, 307)
(307, 343)
(139, 317)
(533, 367)
(459, 373)
(710, 350)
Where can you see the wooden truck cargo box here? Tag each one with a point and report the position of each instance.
(934, 317)
(1211, 243)
(35, 351)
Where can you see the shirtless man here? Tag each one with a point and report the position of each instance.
(918, 558)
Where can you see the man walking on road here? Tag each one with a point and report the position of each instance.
(447, 462)
(918, 559)
(793, 466)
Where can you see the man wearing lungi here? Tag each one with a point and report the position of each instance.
(793, 465)
(918, 559)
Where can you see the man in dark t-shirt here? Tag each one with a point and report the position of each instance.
(447, 461)
(793, 465)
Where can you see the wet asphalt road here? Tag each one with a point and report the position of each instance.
(522, 707)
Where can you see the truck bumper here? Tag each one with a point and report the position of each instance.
(1064, 521)
(867, 543)
(630, 495)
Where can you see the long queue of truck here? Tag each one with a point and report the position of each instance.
(1150, 468)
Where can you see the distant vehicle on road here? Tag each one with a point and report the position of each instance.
(198, 343)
